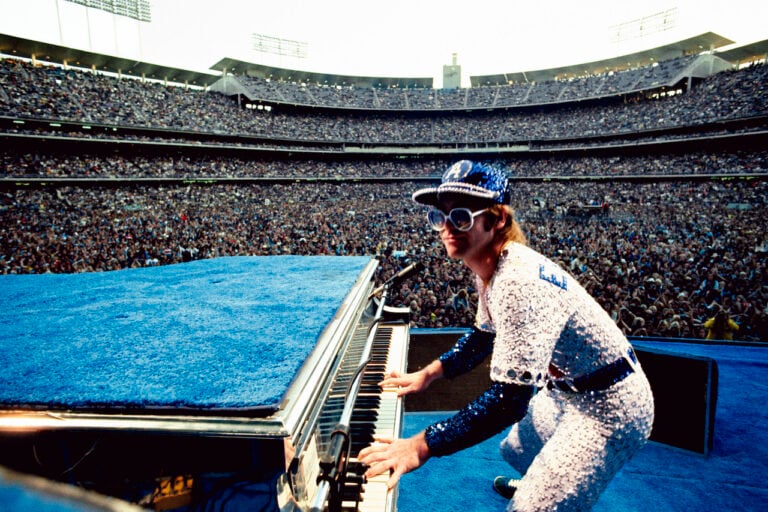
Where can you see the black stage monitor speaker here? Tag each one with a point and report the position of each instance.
(685, 398)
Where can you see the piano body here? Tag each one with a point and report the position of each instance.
(295, 452)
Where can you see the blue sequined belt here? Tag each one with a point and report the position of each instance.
(598, 380)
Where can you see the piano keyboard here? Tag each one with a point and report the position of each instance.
(378, 413)
(387, 423)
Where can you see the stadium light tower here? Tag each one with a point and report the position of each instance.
(277, 46)
(139, 10)
(645, 27)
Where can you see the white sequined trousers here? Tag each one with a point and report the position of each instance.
(569, 446)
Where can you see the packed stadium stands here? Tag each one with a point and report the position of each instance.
(655, 201)
(68, 95)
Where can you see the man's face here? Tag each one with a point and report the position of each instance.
(465, 244)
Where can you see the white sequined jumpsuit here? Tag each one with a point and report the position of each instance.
(571, 443)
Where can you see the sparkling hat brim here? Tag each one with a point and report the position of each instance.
(431, 196)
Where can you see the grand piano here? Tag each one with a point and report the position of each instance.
(240, 383)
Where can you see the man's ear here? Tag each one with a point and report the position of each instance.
(501, 220)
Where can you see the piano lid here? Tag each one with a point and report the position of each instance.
(235, 345)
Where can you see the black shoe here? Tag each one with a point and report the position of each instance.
(505, 486)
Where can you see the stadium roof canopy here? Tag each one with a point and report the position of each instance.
(26, 48)
(242, 68)
(747, 53)
(29, 49)
(701, 43)
(708, 41)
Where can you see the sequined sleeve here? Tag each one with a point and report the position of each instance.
(468, 352)
(499, 407)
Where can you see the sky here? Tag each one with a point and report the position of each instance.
(402, 38)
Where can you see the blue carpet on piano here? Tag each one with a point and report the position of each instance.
(219, 333)
(661, 478)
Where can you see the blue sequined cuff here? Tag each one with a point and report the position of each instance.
(469, 351)
(499, 407)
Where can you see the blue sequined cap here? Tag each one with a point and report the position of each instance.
(471, 179)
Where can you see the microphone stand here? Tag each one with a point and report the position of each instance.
(333, 463)
(406, 272)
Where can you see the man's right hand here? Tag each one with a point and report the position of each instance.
(415, 382)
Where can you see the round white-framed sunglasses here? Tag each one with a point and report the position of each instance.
(462, 218)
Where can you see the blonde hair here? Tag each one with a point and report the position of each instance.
(511, 232)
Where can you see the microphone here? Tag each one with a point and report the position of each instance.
(406, 272)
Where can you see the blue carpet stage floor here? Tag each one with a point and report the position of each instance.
(661, 478)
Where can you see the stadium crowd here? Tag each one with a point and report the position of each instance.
(131, 164)
(660, 257)
(496, 96)
(55, 93)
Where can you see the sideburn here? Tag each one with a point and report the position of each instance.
(489, 220)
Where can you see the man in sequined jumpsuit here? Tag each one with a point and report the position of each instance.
(563, 374)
